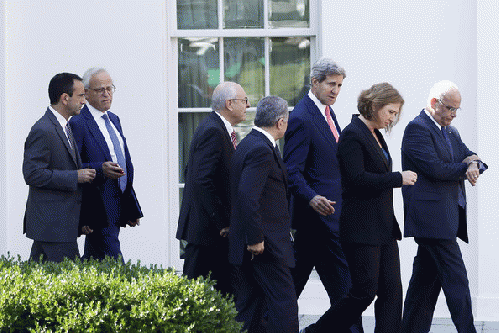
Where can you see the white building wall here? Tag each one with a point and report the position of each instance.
(409, 44)
(128, 38)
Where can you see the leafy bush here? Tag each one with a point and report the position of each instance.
(108, 296)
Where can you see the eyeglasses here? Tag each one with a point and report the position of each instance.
(450, 108)
(245, 100)
(110, 89)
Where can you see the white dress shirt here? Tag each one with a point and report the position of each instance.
(267, 134)
(228, 126)
(62, 121)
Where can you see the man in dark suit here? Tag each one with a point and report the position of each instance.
(52, 169)
(110, 202)
(205, 213)
(259, 240)
(435, 211)
(315, 182)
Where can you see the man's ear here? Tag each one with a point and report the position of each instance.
(433, 102)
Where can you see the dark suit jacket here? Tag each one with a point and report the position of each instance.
(431, 205)
(100, 205)
(50, 169)
(310, 157)
(367, 182)
(260, 204)
(206, 201)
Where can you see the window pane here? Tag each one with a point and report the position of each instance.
(244, 60)
(198, 71)
(243, 14)
(290, 67)
(289, 13)
(187, 124)
(197, 14)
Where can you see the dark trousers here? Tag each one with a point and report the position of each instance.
(375, 271)
(438, 265)
(322, 250)
(55, 252)
(204, 260)
(265, 289)
(103, 242)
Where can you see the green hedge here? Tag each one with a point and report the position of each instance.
(108, 296)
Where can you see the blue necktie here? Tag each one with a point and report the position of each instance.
(117, 151)
(460, 196)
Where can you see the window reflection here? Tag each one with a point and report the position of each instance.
(199, 71)
(187, 124)
(244, 63)
(197, 14)
(289, 13)
(240, 14)
(290, 68)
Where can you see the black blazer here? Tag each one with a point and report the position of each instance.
(50, 169)
(367, 181)
(259, 193)
(206, 202)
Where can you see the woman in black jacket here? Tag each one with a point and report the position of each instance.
(368, 228)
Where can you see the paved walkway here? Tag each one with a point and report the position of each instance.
(314, 302)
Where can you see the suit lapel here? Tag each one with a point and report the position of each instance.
(440, 142)
(62, 136)
(320, 122)
(372, 143)
(94, 130)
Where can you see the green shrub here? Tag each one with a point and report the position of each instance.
(108, 296)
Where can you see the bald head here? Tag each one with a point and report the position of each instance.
(444, 102)
(231, 101)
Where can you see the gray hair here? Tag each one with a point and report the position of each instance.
(439, 90)
(90, 73)
(223, 92)
(324, 67)
(269, 109)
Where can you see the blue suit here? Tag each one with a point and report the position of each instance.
(313, 169)
(434, 218)
(104, 208)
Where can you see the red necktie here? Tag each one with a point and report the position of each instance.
(330, 122)
(233, 138)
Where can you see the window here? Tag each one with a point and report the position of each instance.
(267, 46)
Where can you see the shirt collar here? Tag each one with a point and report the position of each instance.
(322, 107)
(433, 119)
(60, 119)
(228, 126)
(95, 113)
(267, 134)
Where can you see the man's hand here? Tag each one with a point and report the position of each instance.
(86, 175)
(112, 170)
(472, 173)
(255, 249)
(409, 177)
(224, 232)
(134, 223)
(86, 230)
(322, 205)
(470, 159)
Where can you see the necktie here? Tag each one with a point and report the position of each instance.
(331, 124)
(233, 138)
(69, 134)
(460, 195)
(117, 151)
